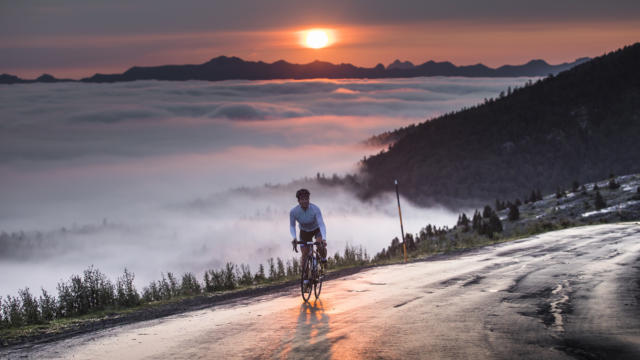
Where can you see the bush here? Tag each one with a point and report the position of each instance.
(151, 293)
(127, 294)
(30, 310)
(245, 277)
(189, 285)
(164, 288)
(173, 285)
(12, 310)
(229, 277)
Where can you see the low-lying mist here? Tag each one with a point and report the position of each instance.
(163, 176)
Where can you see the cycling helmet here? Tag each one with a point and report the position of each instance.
(302, 192)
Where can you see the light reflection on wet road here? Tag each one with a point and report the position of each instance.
(567, 294)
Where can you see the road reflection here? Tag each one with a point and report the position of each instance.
(310, 339)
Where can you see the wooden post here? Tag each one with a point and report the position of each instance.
(404, 245)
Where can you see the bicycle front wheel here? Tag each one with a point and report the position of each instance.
(317, 286)
(306, 283)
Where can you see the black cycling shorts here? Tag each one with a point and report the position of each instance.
(307, 236)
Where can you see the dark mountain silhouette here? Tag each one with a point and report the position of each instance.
(44, 78)
(400, 65)
(233, 68)
(580, 125)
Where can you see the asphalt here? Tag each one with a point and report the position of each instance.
(570, 294)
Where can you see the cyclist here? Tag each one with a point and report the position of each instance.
(309, 218)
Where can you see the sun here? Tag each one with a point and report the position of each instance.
(316, 39)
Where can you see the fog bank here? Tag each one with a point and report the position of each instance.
(148, 174)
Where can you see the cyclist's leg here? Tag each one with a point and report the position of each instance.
(322, 249)
(305, 250)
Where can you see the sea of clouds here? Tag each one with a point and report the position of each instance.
(170, 176)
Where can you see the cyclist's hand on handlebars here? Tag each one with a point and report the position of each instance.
(295, 245)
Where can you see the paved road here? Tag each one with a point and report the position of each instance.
(568, 294)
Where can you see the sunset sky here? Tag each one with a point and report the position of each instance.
(72, 38)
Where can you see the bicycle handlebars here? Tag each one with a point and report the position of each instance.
(309, 242)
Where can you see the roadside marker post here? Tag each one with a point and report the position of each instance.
(404, 245)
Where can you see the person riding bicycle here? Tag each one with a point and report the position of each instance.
(309, 218)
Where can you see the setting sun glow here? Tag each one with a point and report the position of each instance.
(316, 39)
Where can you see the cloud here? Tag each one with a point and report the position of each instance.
(113, 117)
(151, 118)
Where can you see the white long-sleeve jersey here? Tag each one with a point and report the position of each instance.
(309, 220)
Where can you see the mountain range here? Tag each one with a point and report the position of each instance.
(580, 125)
(234, 68)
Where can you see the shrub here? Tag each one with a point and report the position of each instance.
(127, 294)
(245, 278)
(189, 285)
(229, 277)
(30, 310)
(173, 284)
(12, 311)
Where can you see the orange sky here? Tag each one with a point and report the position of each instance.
(459, 42)
(68, 38)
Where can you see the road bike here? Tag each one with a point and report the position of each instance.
(311, 275)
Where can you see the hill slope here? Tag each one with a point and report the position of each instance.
(582, 124)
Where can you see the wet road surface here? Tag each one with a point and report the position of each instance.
(569, 294)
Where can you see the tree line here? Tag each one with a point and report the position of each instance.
(93, 291)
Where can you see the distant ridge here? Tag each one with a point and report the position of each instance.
(234, 68)
(581, 125)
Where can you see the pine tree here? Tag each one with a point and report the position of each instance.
(281, 270)
(613, 185)
(486, 213)
(272, 269)
(495, 225)
(575, 186)
(229, 276)
(208, 286)
(600, 203)
(514, 213)
(260, 276)
(477, 221)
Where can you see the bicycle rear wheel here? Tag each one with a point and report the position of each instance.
(306, 283)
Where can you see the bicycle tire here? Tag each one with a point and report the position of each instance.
(317, 286)
(306, 275)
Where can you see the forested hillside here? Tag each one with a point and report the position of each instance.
(581, 125)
